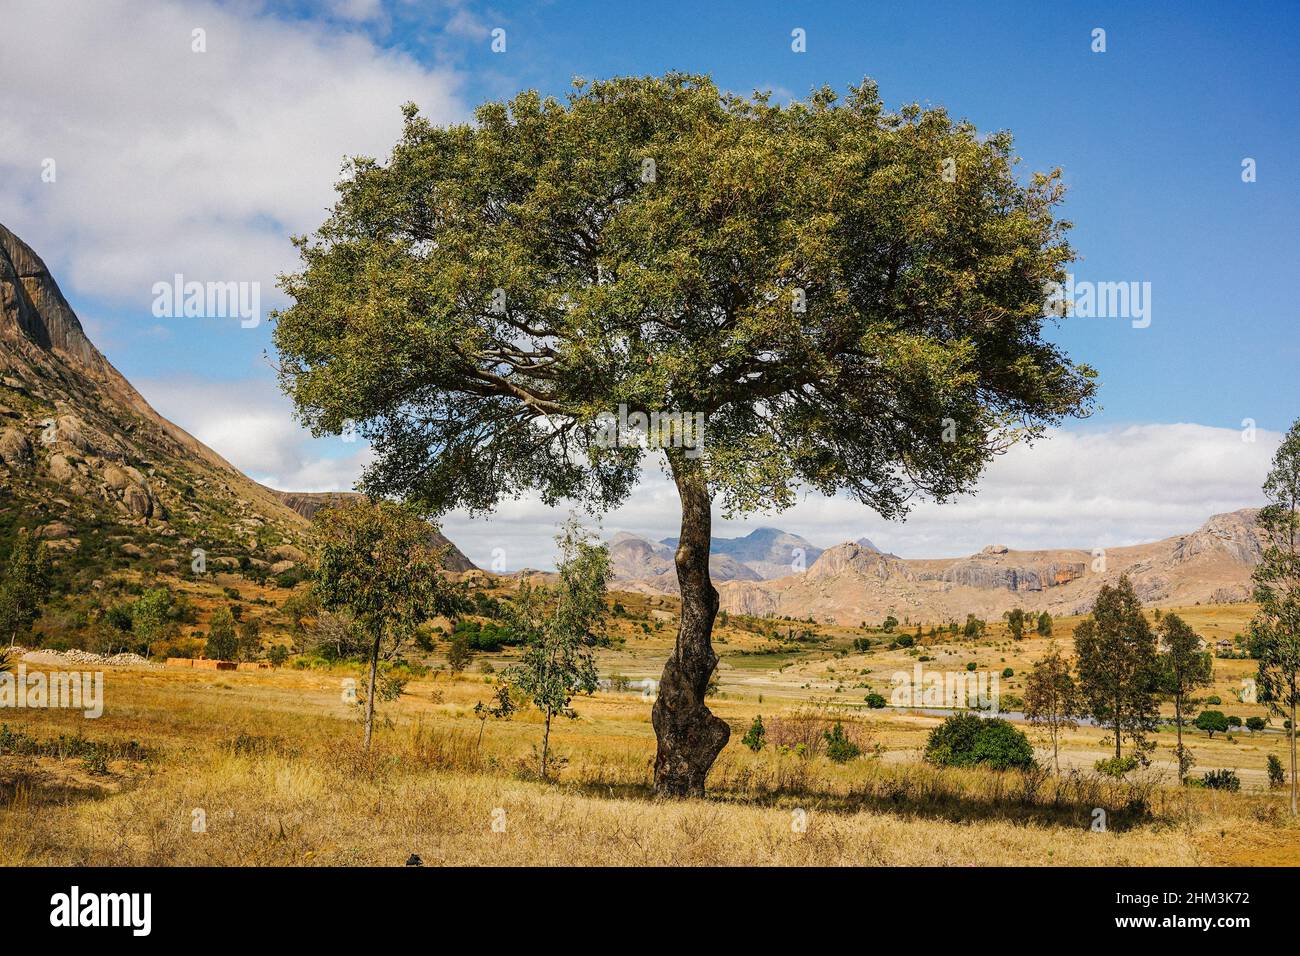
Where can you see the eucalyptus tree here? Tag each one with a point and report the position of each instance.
(1275, 629)
(850, 298)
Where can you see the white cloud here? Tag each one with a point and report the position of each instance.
(169, 160)
(250, 424)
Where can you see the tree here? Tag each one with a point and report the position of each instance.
(223, 644)
(24, 585)
(1276, 775)
(1184, 668)
(974, 627)
(1117, 666)
(1211, 721)
(1255, 724)
(250, 639)
(151, 618)
(557, 660)
(889, 624)
(1044, 625)
(1052, 698)
(540, 299)
(1016, 623)
(459, 652)
(501, 708)
(377, 561)
(756, 736)
(1275, 629)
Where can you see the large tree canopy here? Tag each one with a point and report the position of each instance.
(852, 298)
(806, 276)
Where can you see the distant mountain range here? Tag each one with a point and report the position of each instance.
(762, 574)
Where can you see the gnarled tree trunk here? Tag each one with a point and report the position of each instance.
(690, 737)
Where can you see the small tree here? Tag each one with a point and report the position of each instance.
(1016, 622)
(1184, 668)
(501, 708)
(1117, 667)
(1052, 698)
(459, 652)
(1044, 626)
(755, 737)
(1276, 775)
(223, 644)
(1211, 721)
(1275, 629)
(1255, 724)
(557, 661)
(250, 639)
(974, 627)
(24, 585)
(151, 618)
(377, 560)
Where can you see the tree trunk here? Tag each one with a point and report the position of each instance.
(1178, 725)
(1293, 807)
(370, 695)
(690, 737)
(546, 742)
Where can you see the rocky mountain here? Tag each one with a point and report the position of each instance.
(761, 555)
(96, 471)
(850, 584)
(644, 565)
(854, 582)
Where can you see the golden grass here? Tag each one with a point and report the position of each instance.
(272, 761)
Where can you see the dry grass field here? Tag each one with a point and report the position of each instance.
(265, 768)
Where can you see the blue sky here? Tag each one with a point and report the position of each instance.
(170, 161)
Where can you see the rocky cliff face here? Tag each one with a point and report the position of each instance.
(99, 473)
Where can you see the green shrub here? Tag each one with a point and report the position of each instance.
(1276, 775)
(1116, 767)
(755, 737)
(875, 701)
(965, 740)
(838, 747)
(1224, 779)
(1008, 672)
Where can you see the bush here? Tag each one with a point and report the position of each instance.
(1008, 672)
(965, 740)
(1116, 767)
(1256, 723)
(1224, 779)
(875, 701)
(755, 736)
(904, 640)
(1276, 775)
(838, 747)
(1214, 699)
